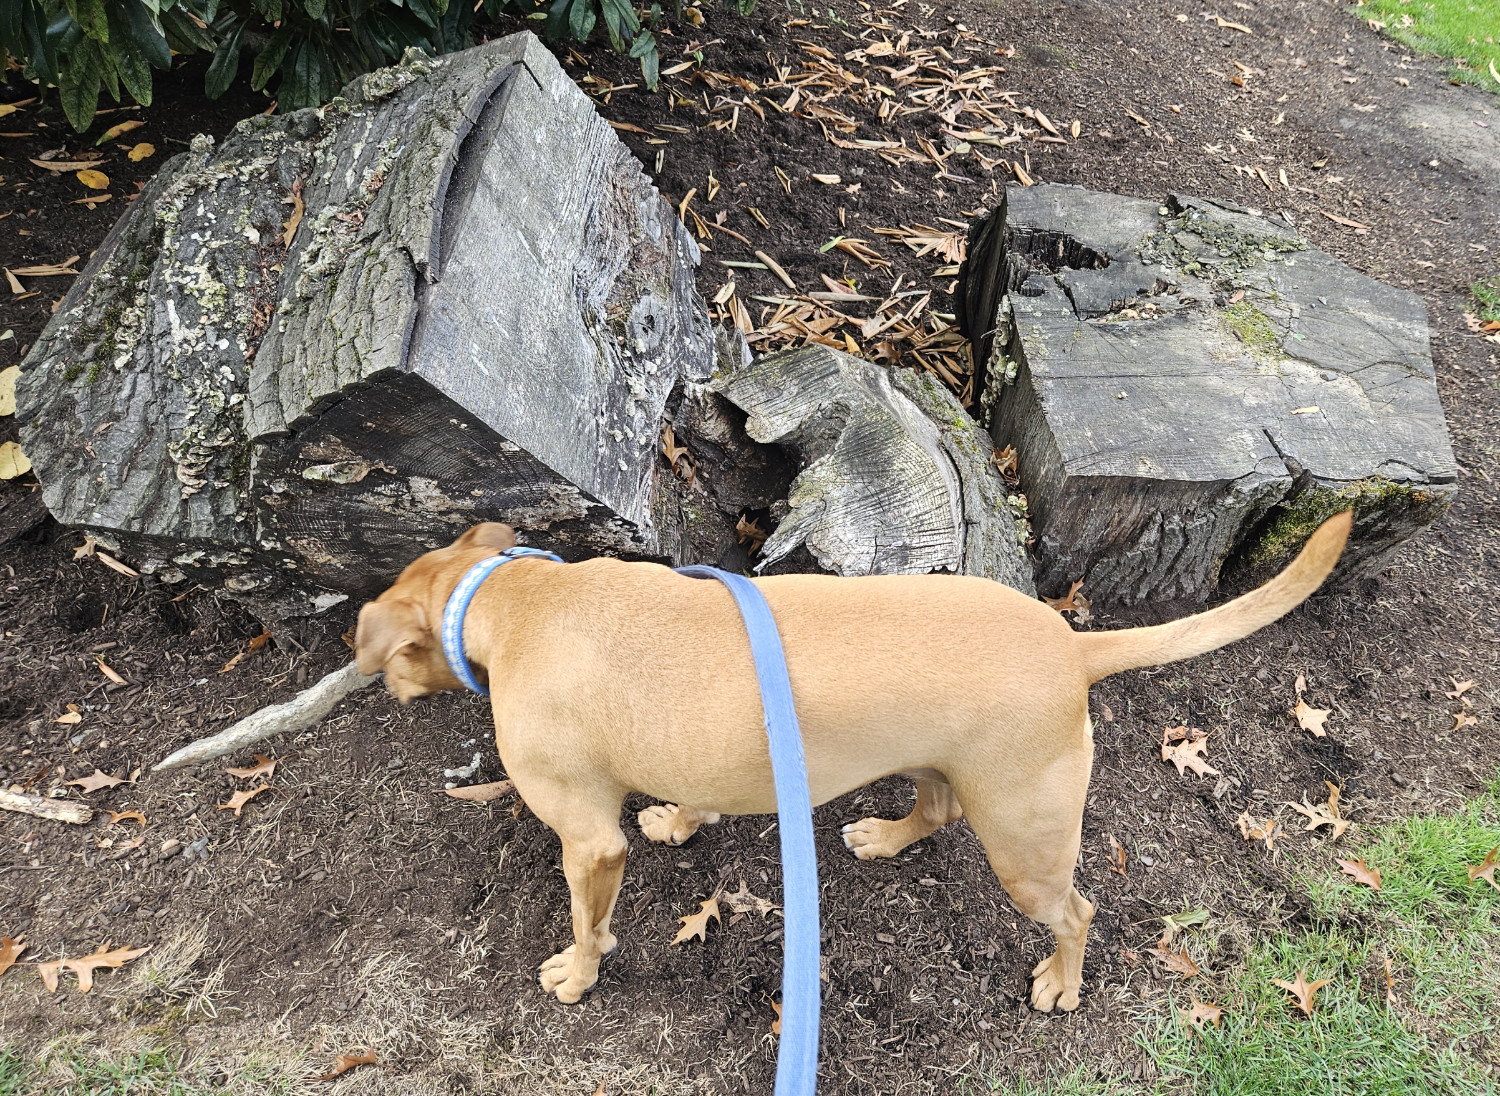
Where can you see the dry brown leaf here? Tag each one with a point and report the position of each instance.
(1303, 990)
(696, 924)
(1361, 871)
(482, 793)
(1390, 985)
(256, 643)
(8, 377)
(1324, 814)
(264, 766)
(140, 152)
(99, 780)
(127, 816)
(10, 951)
(1486, 869)
(1066, 603)
(1005, 462)
(1462, 720)
(1310, 718)
(238, 800)
(85, 549)
(742, 901)
(13, 462)
(345, 1062)
(115, 565)
(776, 1023)
(1178, 961)
(1201, 1014)
(69, 718)
(600, 1090)
(84, 966)
(108, 671)
(750, 534)
(289, 229)
(1116, 856)
(1459, 688)
(1183, 747)
(1266, 831)
(67, 165)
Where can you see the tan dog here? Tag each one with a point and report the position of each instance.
(610, 677)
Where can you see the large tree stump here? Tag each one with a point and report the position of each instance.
(1191, 388)
(348, 333)
(452, 295)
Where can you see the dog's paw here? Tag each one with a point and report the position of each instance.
(1049, 990)
(873, 838)
(669, 824)
(562, 977)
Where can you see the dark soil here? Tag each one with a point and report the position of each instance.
(356, 904)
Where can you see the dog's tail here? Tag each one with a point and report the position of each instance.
(1106, 653)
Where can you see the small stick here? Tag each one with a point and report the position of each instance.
(59, 810)
(303, 710)
(775, 268)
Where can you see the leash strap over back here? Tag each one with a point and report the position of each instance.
(797, 1056)
(457, 607)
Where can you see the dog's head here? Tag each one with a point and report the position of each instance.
(398, 631)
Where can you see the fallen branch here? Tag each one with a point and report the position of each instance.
(59, 810)
(303, 710)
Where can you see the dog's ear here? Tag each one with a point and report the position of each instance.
(489, 534)
(384, 628)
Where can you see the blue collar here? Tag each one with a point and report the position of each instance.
(458, 606)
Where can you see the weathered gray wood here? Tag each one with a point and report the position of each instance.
(57, 810)
(480, 315)
(896, 477)
(1191, 388)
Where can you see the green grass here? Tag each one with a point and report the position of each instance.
(73, 1070)
(1442, 935)
(1465, 31)
(1487, 295)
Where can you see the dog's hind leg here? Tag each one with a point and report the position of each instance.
(670, 824)
(1031, 837)
(937, 805)
(593, 853)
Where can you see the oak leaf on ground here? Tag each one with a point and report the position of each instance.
(776, 1023)
(1173, 923)
(1486, 869)
(1462, 720)
(1310, 718)
(238, 800)
(345, 1062)
(256, 643)
(1390, 985)
(98, 780)
(696, 924)
(1303, 990)
(1178, 961)
(127, 816)
(1183, 747)
(1201, 1014)
(1459, 688)
(1324, 814)
(1361, 872)
(85, 965)
(10, 950)
(264, 766)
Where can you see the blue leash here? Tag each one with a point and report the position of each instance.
(797, 1058)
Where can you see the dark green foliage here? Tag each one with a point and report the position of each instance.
(307, 48)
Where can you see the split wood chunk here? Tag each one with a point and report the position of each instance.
(1192, 388)
(896, 478)
(58, 810)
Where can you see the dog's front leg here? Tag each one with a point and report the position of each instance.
(594, 863)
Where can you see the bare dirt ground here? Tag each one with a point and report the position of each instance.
(355, 905)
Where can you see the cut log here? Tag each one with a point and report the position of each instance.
(349, 333)
(1191, 388)
(57, 810)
